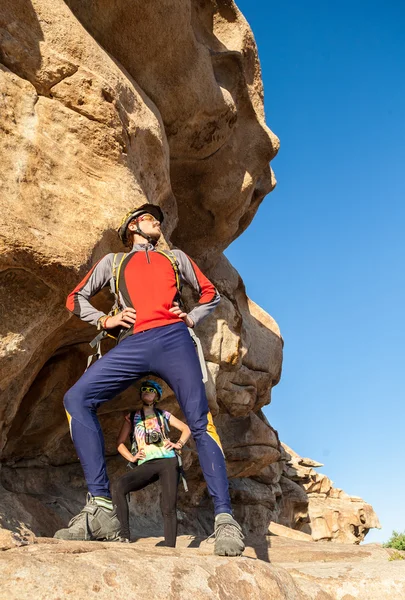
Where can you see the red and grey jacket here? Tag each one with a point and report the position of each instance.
(146, 283)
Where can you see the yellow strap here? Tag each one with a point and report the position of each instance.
(114, 267)
(173, 262)
(118, 276)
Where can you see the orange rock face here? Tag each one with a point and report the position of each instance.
(106, 106)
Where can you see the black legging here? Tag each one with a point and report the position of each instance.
(165, 469)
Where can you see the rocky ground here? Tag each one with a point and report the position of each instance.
(272, 568)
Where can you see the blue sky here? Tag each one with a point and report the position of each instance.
(329, 241)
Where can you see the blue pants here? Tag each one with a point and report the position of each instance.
(169, 353)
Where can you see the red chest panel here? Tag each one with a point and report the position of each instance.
(148, 284)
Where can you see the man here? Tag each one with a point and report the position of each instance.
(154, 339)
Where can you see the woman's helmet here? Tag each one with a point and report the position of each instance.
(152, 209)
(150, 385)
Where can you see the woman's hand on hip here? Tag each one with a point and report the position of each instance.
(138, 456)
(172, 446)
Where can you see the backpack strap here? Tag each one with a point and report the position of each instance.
(164, 425)
(115, 279)
(132, 421)
(200, 354)
(114, 287)
(132, 439)
(118, 259)
(181, 470)
(173, 261)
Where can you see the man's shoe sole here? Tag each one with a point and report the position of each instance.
(229, 551)
(114, 538)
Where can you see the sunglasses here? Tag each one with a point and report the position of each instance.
(148, 217)
(148, 389)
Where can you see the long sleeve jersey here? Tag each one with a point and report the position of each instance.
(146, 283)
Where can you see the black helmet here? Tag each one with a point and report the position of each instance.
(152, 209)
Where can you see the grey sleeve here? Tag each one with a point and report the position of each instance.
(209, 296)
(97, 278)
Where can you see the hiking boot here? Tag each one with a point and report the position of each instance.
(94, 522)
(228, 536)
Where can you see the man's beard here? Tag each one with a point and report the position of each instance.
(155, 236)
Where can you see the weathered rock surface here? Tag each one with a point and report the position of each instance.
(311, 504)
(288, 532)
(49, 569)
(326, 571)
(106, 106)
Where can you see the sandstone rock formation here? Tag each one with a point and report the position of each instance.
(49, 569)
(106, 106)
(319, 509)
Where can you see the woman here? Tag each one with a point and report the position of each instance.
(155, 458)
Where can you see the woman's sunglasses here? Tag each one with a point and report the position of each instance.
(148, 389)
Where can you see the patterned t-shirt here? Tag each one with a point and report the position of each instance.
(152, 451)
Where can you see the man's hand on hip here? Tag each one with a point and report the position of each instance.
(176, 310)
(126, 318)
